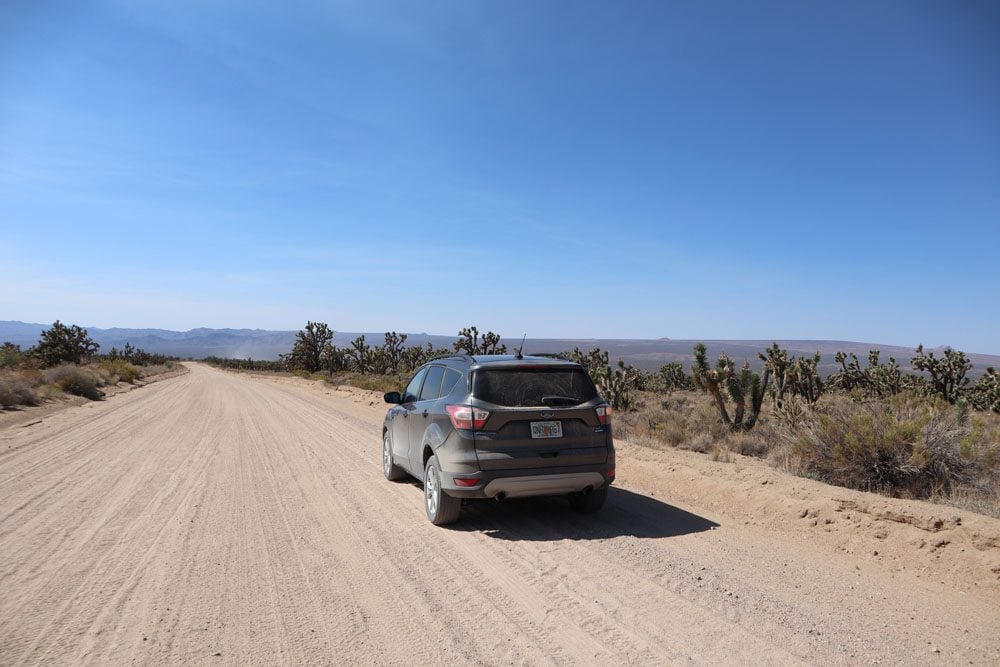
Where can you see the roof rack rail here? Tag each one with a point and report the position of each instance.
(464, 357)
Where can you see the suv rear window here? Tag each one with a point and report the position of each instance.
(533, 387)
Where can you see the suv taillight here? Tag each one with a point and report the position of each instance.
(464, 416)
(603, 414)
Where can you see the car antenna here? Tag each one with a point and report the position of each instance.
(519, 355)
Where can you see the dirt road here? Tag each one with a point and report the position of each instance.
(220, 519)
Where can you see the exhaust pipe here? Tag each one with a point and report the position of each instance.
(587, 489)
(501, 496)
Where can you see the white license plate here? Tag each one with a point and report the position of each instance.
(546, 429)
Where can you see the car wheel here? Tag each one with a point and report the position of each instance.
(392, 472)
(589, 502)
(441, 508)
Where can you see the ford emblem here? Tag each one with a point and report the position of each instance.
(546, 415)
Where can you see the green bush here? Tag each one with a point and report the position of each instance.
(125, 371)
(75, 380)
(11, 355)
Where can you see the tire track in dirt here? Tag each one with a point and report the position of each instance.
(562, 611)
(424, 577)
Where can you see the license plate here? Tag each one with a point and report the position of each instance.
(546, 429)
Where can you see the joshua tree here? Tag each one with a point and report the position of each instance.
(62, 344)
(333, 359)
(672, 376)
(947, 372)
(804, 378)
(615, 384)
(986, 393)
(776, 361)
(310, 345)
(742, 386)
(360, 354)
(877, 380)
(468, 342)
(393, 347)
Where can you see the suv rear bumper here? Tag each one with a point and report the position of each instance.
(543, 485)
(549, 482)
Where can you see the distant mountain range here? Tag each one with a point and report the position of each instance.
(645, 354)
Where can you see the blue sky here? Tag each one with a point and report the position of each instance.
(564, 169)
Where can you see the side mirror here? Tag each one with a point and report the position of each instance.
(393, 397)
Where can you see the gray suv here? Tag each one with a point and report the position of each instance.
(500, 426)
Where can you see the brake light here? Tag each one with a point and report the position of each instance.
(603, 414)
(465, 417)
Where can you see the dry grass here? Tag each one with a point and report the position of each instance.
(15, 390)
(28, 386)
(157, 369)
(379, 383)
(120, 370)
(76, 380)
(685, 420)
(907, 446)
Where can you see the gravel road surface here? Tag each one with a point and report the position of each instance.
(216, 518)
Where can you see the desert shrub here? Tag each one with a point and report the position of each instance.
(973, 499)
(674, 433)
(747, 444)
(676, 420)
(157, 369)
(135, 356)
(75, 380)
(7, 399)
(242, 364)
(123, 370)
(11, 355)
(379, 383)
(16, 391)
(702, 443)
(903, 446)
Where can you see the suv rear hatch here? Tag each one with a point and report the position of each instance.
(540, 417)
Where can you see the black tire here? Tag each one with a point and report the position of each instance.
(589, 502)
(392, 472)
(440, 507)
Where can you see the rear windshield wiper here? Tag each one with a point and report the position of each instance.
(561, 401)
